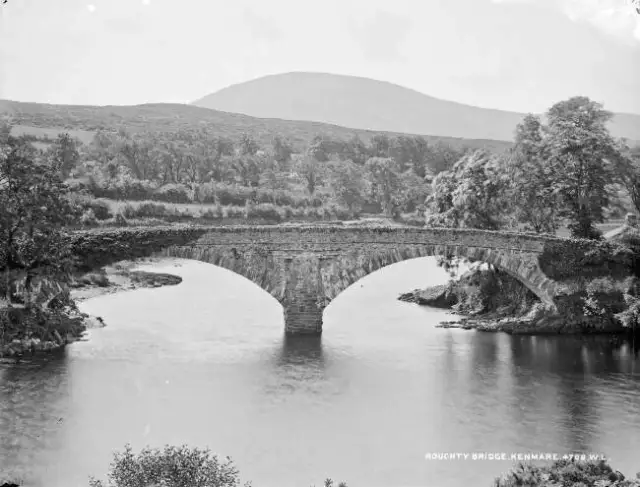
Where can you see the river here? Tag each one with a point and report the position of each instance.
(205, 363)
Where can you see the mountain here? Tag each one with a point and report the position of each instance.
(82, 121)
(374, 105)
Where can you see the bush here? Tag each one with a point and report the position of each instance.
(120, 220)
(173, 467)
(265, 211)
(173, 193)
(565, 473)
(578, 257)
(88, 219)
(232, 195)
(233, 212)
(148, 210)
(214, 213)
(101, 209)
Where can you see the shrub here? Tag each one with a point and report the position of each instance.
(338, 212)
(565, 472)
(150, 210)
(265, 211)
(120, 220)
(287, 212)
(233, 212)
(214, 213)
(173, 193)
(88, 218)
(578, 257)
(101, 209)
(181, 466)
(232, 195)
(128, 211)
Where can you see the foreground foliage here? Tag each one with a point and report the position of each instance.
(173, 467)
(36, 261)
(565, 473)
(34, 211)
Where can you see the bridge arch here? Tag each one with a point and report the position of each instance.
(341, 272)
(326, 275)
(305, 267)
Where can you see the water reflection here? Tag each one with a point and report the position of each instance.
(301, 350)
(34, 397)
(298, 367)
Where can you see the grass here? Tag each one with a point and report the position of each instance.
(51, 133)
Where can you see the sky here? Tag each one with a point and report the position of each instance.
(518, 55)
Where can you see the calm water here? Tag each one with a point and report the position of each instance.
(206, 363)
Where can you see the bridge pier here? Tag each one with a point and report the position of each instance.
(304, 297)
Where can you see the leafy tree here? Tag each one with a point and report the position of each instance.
(347, 181)
(248, 170)
(474, 194)
(627, 166)
(380, 146)
(64, 152)
(138, 155)
(384, 174)
(34, 209)
(580, 149)
(536, 204)
(248, 145)
(356, 150)
(282, 150)
(415, 191)
(311, 171)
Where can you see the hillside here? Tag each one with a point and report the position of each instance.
(375, 105)
(39, 118)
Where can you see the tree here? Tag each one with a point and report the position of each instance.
(356, 150)
(347, 181)
(248, 145)
(64, 152)
(579, 150)
(536, 205)
(34, 209)
(311, 172)
(282, 151)
(380, 146)
(627, 166)
(248, 169)
(386, 183)
(474, 194)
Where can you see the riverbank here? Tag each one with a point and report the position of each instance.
(491, 302)
(118, 278)
(32, 331)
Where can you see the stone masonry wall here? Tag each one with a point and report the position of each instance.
(305, 267)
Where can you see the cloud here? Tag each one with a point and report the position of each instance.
(91, 8)
(616, 18)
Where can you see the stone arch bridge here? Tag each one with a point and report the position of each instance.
(305, 267)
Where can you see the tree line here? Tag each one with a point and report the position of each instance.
(392, 174)
(568, 169)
